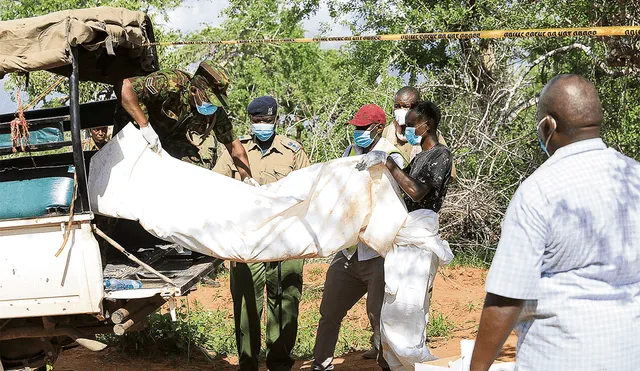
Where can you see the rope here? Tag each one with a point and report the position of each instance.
(67, 231)
(608, 31)
(19, 125)
(46, 92)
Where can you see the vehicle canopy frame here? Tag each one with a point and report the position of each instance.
(102, 44)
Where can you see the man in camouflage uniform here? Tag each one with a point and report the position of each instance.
(271, 158)
(99, 136)
(184, 110)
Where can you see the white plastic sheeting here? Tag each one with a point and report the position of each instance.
(405, 311)
(463, 363)
(315, 211)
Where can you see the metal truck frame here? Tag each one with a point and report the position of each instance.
(49, 302)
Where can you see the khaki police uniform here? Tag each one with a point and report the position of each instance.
(248, 281)
(284, 156)
(90, 145)
(408, 150)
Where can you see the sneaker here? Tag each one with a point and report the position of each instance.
(370, 354)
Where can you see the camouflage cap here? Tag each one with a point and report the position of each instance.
(218, 82)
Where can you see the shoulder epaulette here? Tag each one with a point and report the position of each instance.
(291, 144)
(245, 138)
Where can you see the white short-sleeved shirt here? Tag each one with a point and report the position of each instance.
(570, 246)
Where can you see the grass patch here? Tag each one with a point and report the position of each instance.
(312, 293)
(315, 272)
(472, 257)
(351, 338)
(439, 325)
(197, 328)
(211, 332)
(307, 328)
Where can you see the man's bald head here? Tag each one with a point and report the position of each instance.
(407, 95)
(569, 110)
(572, 101)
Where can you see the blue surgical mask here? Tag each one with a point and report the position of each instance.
(362, 138)
(544, 145)
(206, 108)
(263, 131)
(412, 137)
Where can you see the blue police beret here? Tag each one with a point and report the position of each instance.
(263, 106)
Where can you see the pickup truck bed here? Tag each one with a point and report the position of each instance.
(184, 268)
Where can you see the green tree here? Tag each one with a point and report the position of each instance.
(318, 90)
(487, 88)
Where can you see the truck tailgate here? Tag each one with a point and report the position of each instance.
(184, 268)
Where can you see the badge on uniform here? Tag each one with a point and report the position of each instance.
(295, 147)
(148, 83)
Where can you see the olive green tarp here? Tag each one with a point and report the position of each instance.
(110, 43)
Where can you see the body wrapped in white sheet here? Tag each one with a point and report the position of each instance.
(315, 211)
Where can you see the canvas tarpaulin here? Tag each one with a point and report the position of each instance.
(110, 40)
(315, 211)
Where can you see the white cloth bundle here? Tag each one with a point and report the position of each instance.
(405, 311)
(315, 211)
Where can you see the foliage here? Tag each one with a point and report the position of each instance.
(351, 337)
(486, 89)
(439, 325)
(478, 257)
(317, 90)
(211, 332)
(196, 328)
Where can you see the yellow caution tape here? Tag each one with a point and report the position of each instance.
(494, 34)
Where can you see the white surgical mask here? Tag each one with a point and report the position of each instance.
(400, 114)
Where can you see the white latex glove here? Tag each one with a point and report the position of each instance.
(372, 158)
(151, 137)
(250, 181)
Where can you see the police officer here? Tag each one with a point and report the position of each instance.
(271, 158)
(183, 110)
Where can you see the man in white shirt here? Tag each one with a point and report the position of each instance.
(358, 270)
(567, 268)
(405, 99)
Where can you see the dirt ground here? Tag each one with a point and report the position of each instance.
(458, 294)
